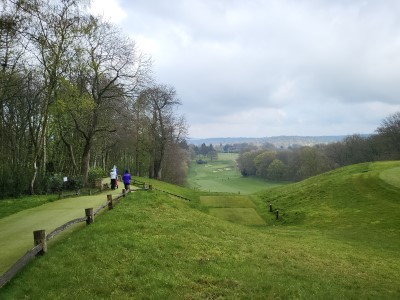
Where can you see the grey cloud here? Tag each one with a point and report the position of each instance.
(308, 62)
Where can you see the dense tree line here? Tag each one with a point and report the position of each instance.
(302, 162)
(77, 97)
(203, 153)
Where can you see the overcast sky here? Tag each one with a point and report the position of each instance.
(259, 68)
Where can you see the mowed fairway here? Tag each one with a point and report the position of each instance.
(222, 175)
(236, 209)
(391, 176)
(16, 230)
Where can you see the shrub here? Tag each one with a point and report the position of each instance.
(200, 161)
(73, 183)
(95, 173)
(54, 183)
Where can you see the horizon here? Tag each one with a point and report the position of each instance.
(282, 67)
(273, 136)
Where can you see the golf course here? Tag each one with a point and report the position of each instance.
(222, 175)
(337, 237)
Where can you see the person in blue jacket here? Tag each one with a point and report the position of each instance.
(126, 178)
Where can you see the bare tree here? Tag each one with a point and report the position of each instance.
(110, 70)
(160, 100)
(390, 132)
(51, 35)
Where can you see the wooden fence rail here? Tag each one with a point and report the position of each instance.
(63, 227)
(11, 272)
(39, 248)
(150, 187)
(172, 194)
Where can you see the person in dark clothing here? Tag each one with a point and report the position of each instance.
(126, 178)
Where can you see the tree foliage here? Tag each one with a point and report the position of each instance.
(75, 95)
(299, 163)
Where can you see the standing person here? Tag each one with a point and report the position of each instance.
(126, 178)
(116, 176)
(113, 176)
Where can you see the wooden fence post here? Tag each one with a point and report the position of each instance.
(110, 201)
(277, 214)
(270, 207)
(39, 238)
(150, 186)
(89, 215)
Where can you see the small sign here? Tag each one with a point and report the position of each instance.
(65, 179)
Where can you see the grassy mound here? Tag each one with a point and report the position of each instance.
(351, 203)
(154, 246)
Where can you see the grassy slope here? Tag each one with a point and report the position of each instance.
(338, 238)
(352, 204)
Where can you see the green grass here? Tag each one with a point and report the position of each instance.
(391, 176)
(222, 175)
(352, 204)
(237, 209)
(244, 216)
(338, 238)
(226, 201)
(12, 206)
(16, 230)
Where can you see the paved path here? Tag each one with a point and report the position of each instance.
(16, 231)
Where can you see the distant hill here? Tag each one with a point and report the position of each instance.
(277, 141)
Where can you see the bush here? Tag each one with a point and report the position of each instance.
(200, 161)
(54, 183)
(73, 184)
(95, 173)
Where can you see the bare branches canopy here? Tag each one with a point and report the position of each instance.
(71, 86)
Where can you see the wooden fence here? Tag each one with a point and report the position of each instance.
(40, 237)
(146, 186)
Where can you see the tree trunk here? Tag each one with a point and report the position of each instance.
(86, 161)
(32, 189)
(71, 153)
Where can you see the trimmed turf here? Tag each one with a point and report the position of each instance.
(16, 230)
(152, 246)
(237, 209)
(244, 216)
(391, 176)
(338, 238)
(226, 201)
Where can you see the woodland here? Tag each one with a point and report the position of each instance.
(77, 96)
(298, 163)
